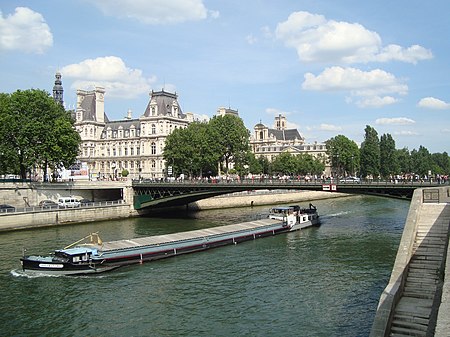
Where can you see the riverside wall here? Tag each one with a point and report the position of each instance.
(42, 218)
(255, 198)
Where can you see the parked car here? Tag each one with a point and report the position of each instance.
(85, 201)
(350, 180)
(7, 208)
(48, 204)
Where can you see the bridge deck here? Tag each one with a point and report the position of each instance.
(189, 235)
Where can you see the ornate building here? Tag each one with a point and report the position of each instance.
(269, 143)
(132, 144)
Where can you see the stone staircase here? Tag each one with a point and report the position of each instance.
(414, 312)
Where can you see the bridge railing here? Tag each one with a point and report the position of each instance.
(288, 182)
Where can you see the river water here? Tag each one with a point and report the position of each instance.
(323, 281)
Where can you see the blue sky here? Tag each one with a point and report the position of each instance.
(332, 67)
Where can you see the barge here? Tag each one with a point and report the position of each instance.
(95, 256)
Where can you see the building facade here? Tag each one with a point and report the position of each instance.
(132, 144)
(271, 142)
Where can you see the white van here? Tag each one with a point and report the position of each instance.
(69, 202)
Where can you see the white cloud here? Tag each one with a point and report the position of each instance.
(318, 39)
(370, 87)
(433, 103)
(111, 73)
(156, 11)
(276, 112)
(329, 127)
(406, 133)
(251, 39)
(395, 121)
(25, 30)
(324, 127)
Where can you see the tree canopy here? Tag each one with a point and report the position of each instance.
(35, 132)
(202, 148)
(343, 155)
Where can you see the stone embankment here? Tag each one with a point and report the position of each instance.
(259, 198)
(416, 300)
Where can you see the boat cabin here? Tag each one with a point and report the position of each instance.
(76, 255)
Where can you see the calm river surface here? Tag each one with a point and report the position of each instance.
(323, 281)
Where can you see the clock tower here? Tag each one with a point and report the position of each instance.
(58, 90)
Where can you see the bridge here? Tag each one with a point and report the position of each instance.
(150, 194)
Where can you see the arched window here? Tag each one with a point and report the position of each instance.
(261, 135)
(153, 148)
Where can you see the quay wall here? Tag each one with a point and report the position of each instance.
(12, 221)
(255, 198)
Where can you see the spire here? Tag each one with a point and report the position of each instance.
(58, 90)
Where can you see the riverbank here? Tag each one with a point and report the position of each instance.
(260, 198)
(59, 217)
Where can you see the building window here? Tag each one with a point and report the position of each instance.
(153, 129)
(153, 148)
(114, 152)
(261, 135)
(153, 164)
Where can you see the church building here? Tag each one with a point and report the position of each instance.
(271, 142)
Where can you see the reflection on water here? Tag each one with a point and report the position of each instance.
(323, 281)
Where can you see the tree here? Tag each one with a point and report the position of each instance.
(343, 154)
(388, 156)
(421, 161)
(36, 132)
(404, 160)
(370, 153)
(284, 163)
(231, 137)
(441, 163)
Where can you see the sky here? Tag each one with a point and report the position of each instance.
(331, 66)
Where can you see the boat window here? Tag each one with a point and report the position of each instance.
(76, 259)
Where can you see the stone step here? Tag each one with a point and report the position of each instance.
(409, 325)
(411, 319)
(399, 331)
(431, 265)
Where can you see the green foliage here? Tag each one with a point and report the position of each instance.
(388, 156)
(36, 132)
(125, 173)
(301, 164)
(421, 161)
(343, 154)
(202, 147)
(404, 161)
(370, 153)
(231, 137)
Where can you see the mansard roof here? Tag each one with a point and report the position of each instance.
(125, 124)
(88, 108)
(286, 134)
(164, 101)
